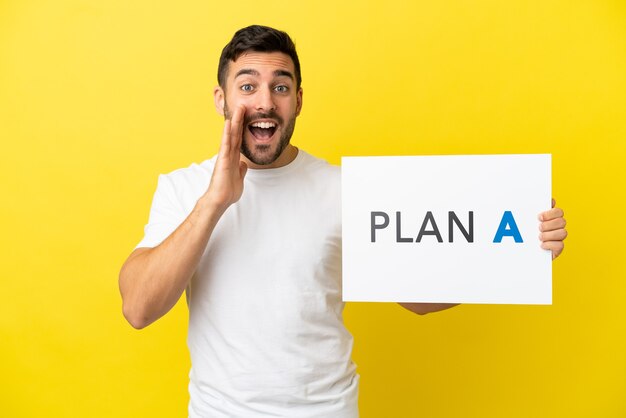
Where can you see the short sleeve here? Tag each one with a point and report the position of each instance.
(166, 214)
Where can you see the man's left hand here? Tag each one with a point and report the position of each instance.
(552, 229)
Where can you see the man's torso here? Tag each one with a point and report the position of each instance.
(266, 334)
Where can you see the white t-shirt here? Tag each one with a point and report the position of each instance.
(266, 333)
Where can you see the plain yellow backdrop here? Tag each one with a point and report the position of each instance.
(99, 97)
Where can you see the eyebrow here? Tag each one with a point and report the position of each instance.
(283, 73)
(277, 73)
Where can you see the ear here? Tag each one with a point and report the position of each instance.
(218, 98)
(299, 101)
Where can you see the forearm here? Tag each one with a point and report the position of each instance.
(424, 308)
(152, 280)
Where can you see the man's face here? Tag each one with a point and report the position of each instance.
(264, 83)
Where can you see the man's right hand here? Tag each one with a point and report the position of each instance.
(226, 184)
(153, 279)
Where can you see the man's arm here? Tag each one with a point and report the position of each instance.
(153, 279)
(552, 234)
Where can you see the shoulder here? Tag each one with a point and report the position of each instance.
(187, 184)
(320, 169)
(320, 179)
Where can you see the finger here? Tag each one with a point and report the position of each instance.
(558, 235)
(554, 224)
(551, 214)
(553, 202)
(236, 129)
(555, 246)
(225, 144)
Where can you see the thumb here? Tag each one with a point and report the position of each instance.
(243, 169)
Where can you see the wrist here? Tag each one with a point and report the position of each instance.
(210, 207)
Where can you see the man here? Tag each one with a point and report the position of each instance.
(254, 237)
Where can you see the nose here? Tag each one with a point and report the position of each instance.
(265, 100)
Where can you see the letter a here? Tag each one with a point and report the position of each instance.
(508, 228)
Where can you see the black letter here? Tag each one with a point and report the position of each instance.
(452, 218)
(376, 226)
(398, 227)
(423, 231)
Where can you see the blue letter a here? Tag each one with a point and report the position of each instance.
(508, 228)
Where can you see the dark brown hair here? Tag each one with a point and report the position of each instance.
(259, 39)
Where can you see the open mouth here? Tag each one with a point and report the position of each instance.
(263, 131)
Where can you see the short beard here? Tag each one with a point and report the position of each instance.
(260, 155)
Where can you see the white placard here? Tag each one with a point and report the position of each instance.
(398, 245)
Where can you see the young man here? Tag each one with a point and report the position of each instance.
(254, 237)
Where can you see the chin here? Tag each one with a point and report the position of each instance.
(260, 154)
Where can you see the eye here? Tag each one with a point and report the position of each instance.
(281, 89)
(246, 87)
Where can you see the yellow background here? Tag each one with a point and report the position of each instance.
(99, 97)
